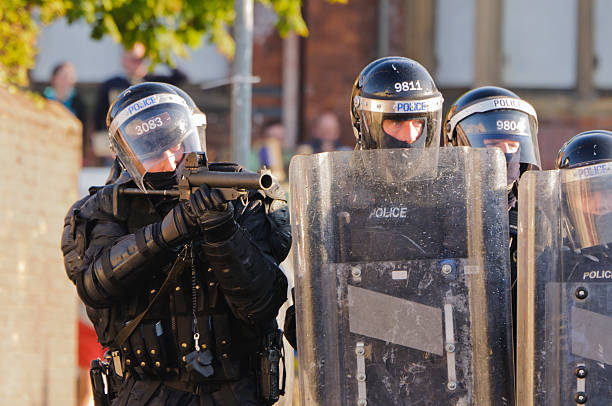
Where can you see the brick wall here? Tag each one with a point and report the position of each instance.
(561, 117)
(268, 66)
(41, 149)
(343, 39)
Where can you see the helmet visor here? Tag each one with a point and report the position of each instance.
(589, 205)
(153, 134)
(400, 123)
(513, 131)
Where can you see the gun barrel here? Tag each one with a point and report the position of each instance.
(240, 180)
(221, 180)
(136, 191)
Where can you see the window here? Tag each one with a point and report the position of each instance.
(602, 33)
(454, 42)
(539, 43)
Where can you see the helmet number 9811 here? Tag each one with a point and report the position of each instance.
(149, 125)
(406, 86)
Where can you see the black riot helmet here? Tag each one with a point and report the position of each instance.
(152, 122)
(395, 104)
(588, 197)
(586, 148)
(492, 116)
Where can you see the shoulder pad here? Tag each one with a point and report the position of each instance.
(122, 179)
(115, 172)
(73, 243)
(106, 201)
(74, 213)
(114, 178)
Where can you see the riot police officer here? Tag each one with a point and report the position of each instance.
(394, 104)
(386, 291)
(588, 257)
(492, 116)
(184, 293)
(565, 351)
(586, 148)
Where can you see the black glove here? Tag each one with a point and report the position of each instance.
(208, 208)
(290, 326)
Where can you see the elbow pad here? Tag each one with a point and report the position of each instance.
(116, 269)
(119, 266)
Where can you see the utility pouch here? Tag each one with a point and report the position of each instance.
(106, 378)
(99, 372)
(270, 357)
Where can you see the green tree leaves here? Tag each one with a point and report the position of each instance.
(167, 28)
(17, 38)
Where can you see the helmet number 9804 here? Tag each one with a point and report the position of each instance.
(149, 125)
(510, 125)
(406, 86)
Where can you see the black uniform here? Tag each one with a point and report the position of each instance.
(232, 285)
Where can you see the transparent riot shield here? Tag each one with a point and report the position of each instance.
(564, 343)
(402, 278)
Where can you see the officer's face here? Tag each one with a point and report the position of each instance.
(167, 161)
(407, 131)
(598, 202)
(507, 146)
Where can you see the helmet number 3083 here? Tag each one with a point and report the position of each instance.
(149, 125)
(406, 86)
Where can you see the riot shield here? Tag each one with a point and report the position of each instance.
(564, 343)
(402, 277)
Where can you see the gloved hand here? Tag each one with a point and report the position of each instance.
(205, 211)
(208, 208)
(289, 326)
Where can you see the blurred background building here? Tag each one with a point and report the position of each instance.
(554, 53)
